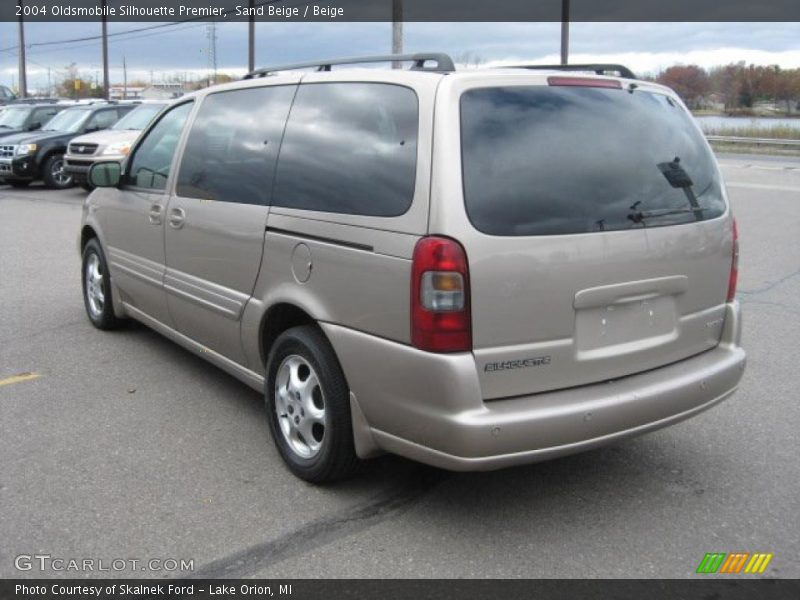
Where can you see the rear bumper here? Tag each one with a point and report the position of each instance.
(428, 407)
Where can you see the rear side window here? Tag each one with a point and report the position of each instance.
(349, 148)
(556, 160)
(233, 145)
(102, 119)
(43, 114)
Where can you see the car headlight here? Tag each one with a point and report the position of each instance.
(26, 149)
(121, 148)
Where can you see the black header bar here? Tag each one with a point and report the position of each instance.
(412, 10)
(743, 588)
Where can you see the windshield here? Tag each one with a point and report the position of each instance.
(139, 117)
(67, 120)
(13, 118)
(540, 160)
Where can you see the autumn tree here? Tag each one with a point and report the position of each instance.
(73, 85)
(690, 82)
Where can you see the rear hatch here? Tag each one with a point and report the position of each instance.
(599, 245)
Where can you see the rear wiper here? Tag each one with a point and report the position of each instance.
(648, 214)
(638, 217)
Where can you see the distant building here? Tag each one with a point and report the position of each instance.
(131, 92)
(164, 91)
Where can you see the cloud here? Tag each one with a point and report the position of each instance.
(653, 62)
(645, 47)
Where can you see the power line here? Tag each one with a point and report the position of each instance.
(135, 37)
(95, 37)
(136, 30)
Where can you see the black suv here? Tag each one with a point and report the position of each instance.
(18, 118)
(29, 156)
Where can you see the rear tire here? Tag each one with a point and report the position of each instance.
(53, 173)
(308, 407)
(96, 284)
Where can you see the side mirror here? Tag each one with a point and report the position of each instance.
(105, 174)
(34, 126)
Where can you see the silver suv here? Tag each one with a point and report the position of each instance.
(113, 143)
(473, 269)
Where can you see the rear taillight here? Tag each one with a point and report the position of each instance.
(734, 276)
(585, 82)
(440, 315)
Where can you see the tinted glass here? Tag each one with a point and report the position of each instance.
(555, 160)
(349, 148)
(102, 119)
(70, 120)
(42, 115)
(233, 145)
(139, 118)
(13, 118)
(151, 162)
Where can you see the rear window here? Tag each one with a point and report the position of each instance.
(556, 160)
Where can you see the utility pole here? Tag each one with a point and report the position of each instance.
(106, 84)
(211, 34)
(23, 78)
(397, 30)
(124, 79)
(564, 32)
(251, 39)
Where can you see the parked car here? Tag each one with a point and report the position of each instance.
(18, 118)
(6, 95)
(113, 143)
(27, 157)
(471, 269)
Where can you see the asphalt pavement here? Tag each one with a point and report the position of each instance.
(122, 445)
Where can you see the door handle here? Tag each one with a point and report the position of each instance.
(176, 218)
(155, 214)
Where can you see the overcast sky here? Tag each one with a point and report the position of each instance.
(645, 47)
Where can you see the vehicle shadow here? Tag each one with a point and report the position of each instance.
(37, 190)
(644, 457)
(622, 483)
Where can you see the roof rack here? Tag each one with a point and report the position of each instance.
(85, 101)
(444, 63)
(33, 100)
(598, 68)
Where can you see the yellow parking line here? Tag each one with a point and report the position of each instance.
(19, 378)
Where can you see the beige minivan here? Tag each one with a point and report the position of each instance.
(473, 269)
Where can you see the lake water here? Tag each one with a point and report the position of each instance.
(747, 122)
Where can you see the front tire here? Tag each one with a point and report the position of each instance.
(53, 173)
(96, 285)
(308, 406)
